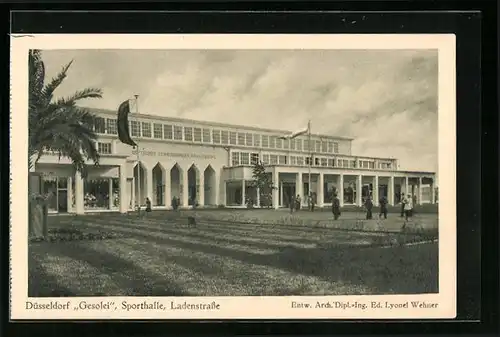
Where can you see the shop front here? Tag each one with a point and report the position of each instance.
(101, 194)
(67, 192)
(54, 181)
(57, 190)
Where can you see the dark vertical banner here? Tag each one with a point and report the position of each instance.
(122, 124)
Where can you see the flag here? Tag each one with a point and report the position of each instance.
(295, 134)
(122, 124)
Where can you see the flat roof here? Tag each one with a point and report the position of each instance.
(209, 123)
(416, 171)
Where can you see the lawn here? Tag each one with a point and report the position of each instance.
(235, 252)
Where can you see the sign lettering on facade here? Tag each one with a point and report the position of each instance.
(173, 154)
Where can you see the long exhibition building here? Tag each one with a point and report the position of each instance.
(210, 164)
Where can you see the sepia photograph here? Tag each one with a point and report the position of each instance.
(174, 179)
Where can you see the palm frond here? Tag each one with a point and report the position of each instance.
(59, 126)
(71, 140)
(61, 122)
(36, 70)
(36, 83)
(79, 95)
(69, 146)
(80, 122)
(48, 90)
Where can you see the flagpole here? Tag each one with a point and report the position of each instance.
(310, 153)
(138, 161)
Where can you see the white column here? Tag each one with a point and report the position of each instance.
(390, 191)
(79, 203)
(299, 187)
(359, 185)
(433, 192)
(149, 186)
(185, 190)
(70, 194)
(321, 193)
(201, 196)
(138, 185)
(275, 190)
(113, 146)
(419, 200)
(341, 190)
(243, 192)
(257, 201)
(124, 201)
(406, 186)
(375, 191)
(110, 193)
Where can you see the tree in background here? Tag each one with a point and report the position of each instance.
(263, 181)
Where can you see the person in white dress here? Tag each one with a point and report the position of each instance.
(408, 207)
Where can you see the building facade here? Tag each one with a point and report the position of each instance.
(210, 164)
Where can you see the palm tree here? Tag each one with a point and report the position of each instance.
(58, 125)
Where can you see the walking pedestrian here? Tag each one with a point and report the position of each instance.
(369, 206)
(403, 200)
(148, 205)
(408, 207)
(383, 207)
(335, 207)
(297, 202)
(292, 204)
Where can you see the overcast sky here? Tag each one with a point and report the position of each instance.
(385, 99)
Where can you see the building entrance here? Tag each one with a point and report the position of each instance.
(383, 191)
(160, 195)
(57, 190)
(193, 196)
(288, 192)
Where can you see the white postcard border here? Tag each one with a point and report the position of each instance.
(235, 307)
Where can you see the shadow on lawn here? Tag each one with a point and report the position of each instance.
(41, 284)
(206, 233)
(397, 270)
(127, 275)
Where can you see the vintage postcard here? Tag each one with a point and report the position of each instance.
(233, 176)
